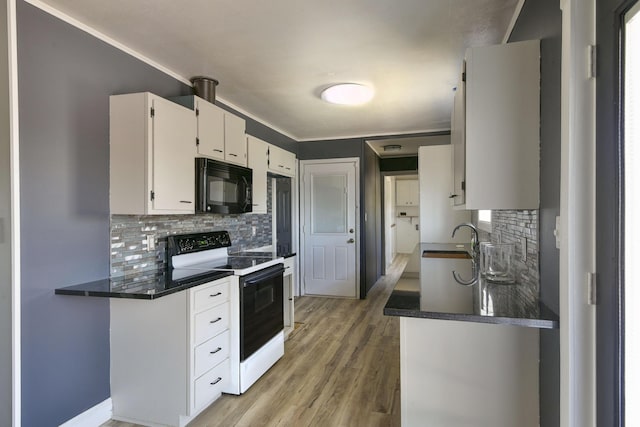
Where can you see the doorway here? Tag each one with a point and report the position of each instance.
(401, 215)
(330, 227)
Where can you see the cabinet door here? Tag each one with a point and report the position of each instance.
(257, 160)
(173, 186)
(458, 143)
(281, 161)
(210, 129)
(407, 193)
(235, 143)
(502, 135)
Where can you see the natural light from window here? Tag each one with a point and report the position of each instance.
(484, 216)
(484, 220)
(632, 213)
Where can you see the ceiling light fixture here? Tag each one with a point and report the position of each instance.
(347, 94)
(392, 147)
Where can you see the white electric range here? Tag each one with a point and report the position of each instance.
(257, 312)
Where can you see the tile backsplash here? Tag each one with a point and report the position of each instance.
(129, 247)
(510, 226)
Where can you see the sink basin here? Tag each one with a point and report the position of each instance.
(446, 254)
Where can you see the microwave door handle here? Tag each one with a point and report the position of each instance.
(205, 191)
(247, 193)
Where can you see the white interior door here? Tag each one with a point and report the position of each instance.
(330, 237)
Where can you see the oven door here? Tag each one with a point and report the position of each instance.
(261, 309)
(222, 188)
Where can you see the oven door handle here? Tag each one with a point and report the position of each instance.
(254, 280)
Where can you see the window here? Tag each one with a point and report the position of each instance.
(484, 220)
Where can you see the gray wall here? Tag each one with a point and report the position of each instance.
(65, 78)
(542, 19)
(5, 229)
(337, 148)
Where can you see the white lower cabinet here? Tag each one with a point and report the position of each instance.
(170, 356)
(456, 373)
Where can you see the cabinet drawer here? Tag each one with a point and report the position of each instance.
(210, 385)
(207, 296)
(210, 353)
(210, 323)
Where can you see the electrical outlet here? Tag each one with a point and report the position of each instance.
(556, 232)
(253, 231)
(151, 242)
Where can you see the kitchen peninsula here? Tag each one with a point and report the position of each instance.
(468, 349)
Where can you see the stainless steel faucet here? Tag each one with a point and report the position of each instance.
(475, 240)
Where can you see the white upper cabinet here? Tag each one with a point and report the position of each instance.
(282, 162)
(257, 150)
(407, 192)
(235, 143)
(501, 137)
(210, 129)
(152, 155)
(220, 134)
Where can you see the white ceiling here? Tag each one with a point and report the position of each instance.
(273, 58)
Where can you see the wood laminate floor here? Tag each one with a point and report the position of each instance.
(341, 368)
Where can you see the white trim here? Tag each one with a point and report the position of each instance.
(105, 38)
(577, 217)
(95, 416)
(375, 135)
(15, 214)
(514, 20)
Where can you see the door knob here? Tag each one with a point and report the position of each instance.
(351, 230)
(350, 241)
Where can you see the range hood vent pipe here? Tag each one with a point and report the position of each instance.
(205, 88)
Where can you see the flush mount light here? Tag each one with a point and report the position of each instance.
(392, 147)
(347, 94)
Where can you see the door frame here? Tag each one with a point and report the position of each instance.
(302, 167)
(12, 109)
(577, 217)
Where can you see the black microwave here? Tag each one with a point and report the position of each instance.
(222, 188)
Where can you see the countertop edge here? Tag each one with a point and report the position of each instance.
(77, 290)
(515, 321)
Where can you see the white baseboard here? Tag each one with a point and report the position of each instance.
(92, 417)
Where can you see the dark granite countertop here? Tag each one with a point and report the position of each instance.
(427, 289)
(142, 286)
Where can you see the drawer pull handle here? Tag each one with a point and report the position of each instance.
(216, 350)
(217, 151)
(217, 381)
(217, 320)
(215, 295)
(234, 155)
(185, 201)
